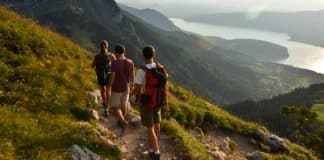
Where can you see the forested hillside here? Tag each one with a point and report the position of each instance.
(290, 115)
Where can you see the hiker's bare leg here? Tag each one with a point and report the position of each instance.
(108, 93)
(124, 109)
(157, 129)
(153, 138)
(119, 114)
(103, 95)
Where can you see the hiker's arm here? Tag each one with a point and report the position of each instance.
(131, 78)
(111, 57)
(111, 79)
(110, 82)
(137, 90)
(112, 75)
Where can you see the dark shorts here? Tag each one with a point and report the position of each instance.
(149, 116)
(102, 81)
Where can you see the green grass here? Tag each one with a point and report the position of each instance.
(319, 109)
(43, 105)
(193, 149)
(198, 112)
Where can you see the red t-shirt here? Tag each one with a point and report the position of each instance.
(122, 68)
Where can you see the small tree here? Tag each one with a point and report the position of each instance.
(301, 117)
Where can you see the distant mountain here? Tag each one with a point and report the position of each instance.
(219, 74)
(304, 27)
(260, 50)
(152, 17)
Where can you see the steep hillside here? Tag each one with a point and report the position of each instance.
(152, 17)
(260, 50)
(301, 26)
(44, 108)
(227, 76)
(289, 114)
(191, 111)
(43, 105)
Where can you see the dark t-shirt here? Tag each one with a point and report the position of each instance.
(122, 68)
(102, 64)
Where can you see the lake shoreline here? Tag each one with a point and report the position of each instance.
(301, 55)
(261, 50)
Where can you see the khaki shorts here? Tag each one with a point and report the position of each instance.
(149, 116)
(118, 99)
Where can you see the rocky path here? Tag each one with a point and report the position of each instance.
(134, 144)
(221, 144)
(225, 145)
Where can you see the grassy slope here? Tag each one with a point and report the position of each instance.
(43, 81)
(189, 111)
(319, 109)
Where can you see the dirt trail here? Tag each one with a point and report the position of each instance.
(216, 140)
(134, 144)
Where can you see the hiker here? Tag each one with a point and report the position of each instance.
(102, 62)
(121, 82)
(151, 88)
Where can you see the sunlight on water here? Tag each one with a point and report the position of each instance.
(301, 55)
(319, 64)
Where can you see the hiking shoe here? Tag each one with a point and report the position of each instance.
(151, 155)
(105, 114)
(156, 156)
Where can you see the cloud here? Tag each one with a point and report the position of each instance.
(256, 11)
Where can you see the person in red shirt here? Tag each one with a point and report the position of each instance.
(147, 82)
(121, 82)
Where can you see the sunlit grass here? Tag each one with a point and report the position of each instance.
(319, 109)
(44, 77)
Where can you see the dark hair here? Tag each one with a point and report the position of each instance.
(104, 42)
(148, 52)
(120, 49)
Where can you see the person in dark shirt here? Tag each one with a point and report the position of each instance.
(101, 63)
(121, 82)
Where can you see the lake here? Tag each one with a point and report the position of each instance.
(301, 55)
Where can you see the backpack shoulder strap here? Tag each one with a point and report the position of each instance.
(159, 65)
(144, 68)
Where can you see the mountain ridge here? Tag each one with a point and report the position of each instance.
(261, 50)
(152, 17)
(228, 76)
(307, 31)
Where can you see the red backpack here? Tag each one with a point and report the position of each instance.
(156, 87)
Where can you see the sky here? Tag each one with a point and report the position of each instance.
(183, 8)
